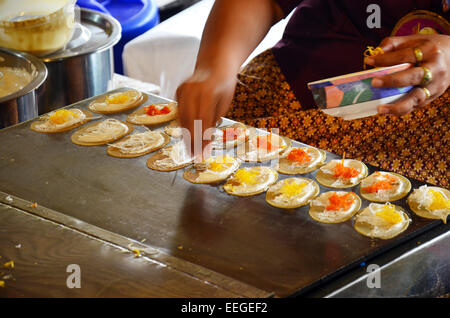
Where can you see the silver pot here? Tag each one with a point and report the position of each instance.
(85, 67)
(21, 105)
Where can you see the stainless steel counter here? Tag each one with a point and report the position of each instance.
(245, 239)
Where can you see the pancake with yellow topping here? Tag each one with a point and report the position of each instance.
(292, 193)
(383, 221)
(117, 102)
(250, 181)
(213, 169)
(61, 120)
(430, 203)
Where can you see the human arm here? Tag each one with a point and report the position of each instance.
(233, 30)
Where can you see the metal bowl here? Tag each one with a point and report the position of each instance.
(84, 68)
(21, 105)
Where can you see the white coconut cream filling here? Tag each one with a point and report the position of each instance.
(110, 128)
(140, 142)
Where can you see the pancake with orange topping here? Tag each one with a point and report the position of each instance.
(138, 144)
(383, 221)
(228, 137)
(101, 133)
(292, 193)
(117, 102)
(341, 174)
(301, 160)
(385, 187)
(430, 203)
(334, 207)
(61, 120)
(263, 148)
(154, 114)
(250, 181)
(213, 170)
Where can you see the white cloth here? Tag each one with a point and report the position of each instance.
(166, 54)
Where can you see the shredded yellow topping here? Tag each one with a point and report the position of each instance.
(292, 189)
(9, 264)
(439, 201)
(117, 99)
(371, 51)
(63, 115)
(220, 164)
(247, 176)
(389, 214)
(136, 252)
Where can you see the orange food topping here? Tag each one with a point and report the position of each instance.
(386, 183)
(152, 110)
(299, 156)
(266, 143)
(231, 133)
(340, 171)
(338, 202)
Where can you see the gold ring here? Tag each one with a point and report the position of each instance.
(427, 92)
(419, 55)
(427, 76)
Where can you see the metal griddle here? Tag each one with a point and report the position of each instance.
(279, 251)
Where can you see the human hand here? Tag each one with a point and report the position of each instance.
(436, 58)
(205, 96)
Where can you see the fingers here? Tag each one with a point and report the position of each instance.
(416, 98)
(411, 77)
(207, 106)
(187, 101)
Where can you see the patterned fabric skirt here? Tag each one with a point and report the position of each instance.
(415, 145)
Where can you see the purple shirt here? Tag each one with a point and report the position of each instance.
(326, 38)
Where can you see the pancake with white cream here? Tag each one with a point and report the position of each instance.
(171, 158)
(101, 133)
(138, 144)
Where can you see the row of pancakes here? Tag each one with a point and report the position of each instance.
(377, 220)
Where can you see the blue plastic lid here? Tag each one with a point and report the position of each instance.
(93, 5)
